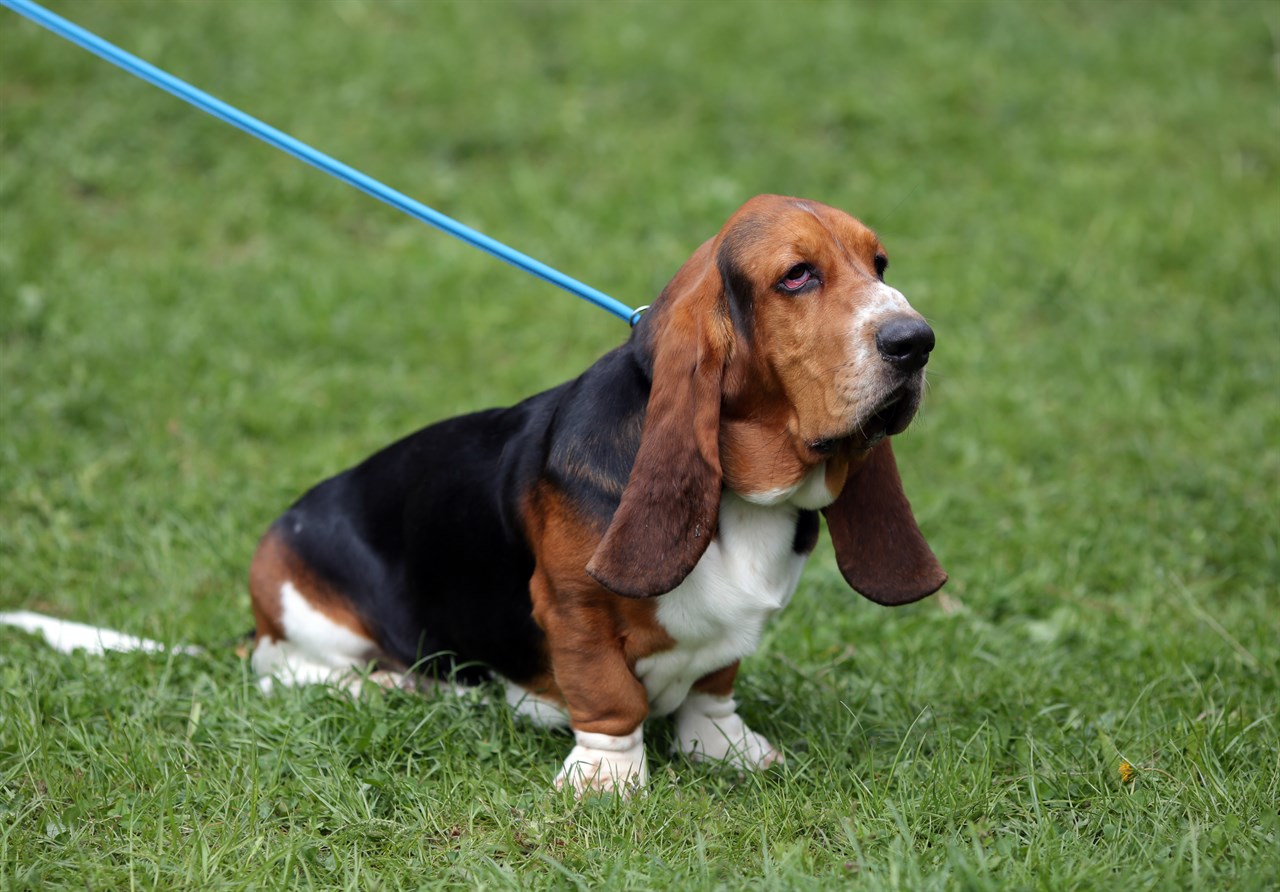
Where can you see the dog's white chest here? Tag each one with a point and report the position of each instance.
(716, 616)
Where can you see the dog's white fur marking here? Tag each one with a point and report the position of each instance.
(809, 492)
(604, 762)
(856, 386)
(716, 616)
(708, 728)
(315, 649)
(66, 636)
(541, 711)
(886, 301)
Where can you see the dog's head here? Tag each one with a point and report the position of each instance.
(782, 362)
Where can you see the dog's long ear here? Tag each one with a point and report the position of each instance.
(671, 504)
(879, 548)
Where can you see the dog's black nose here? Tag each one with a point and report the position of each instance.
(905, 341)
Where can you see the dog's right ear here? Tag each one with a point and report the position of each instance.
(669, 510)
(879, 548)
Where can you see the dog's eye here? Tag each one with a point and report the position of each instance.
(882, 263)
(797, 277)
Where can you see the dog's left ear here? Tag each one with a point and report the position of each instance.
(879, 548)
(670, 508)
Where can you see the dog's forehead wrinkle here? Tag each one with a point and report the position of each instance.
(830, 231)
(759, 244)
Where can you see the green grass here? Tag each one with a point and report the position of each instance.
(1082, 198)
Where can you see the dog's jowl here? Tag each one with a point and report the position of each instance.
(613, 547)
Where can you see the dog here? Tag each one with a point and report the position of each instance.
(612, 548)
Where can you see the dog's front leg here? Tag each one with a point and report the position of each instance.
(607, 703)
(605, 763)
(708, 727)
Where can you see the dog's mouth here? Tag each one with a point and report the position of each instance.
(891, 416)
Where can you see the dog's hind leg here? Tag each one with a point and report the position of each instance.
(307, 633)
(533, 705)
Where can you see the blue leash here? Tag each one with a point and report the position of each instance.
(329, 165)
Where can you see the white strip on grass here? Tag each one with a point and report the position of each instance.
(66, 636)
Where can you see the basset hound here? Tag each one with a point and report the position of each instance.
(612, 548)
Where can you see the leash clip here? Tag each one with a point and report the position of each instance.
(635, 317)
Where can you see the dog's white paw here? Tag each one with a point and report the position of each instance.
(601, 763)
(709, 729)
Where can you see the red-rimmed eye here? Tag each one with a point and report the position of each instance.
(797, 277)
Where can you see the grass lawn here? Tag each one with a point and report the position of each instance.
(1084, 200)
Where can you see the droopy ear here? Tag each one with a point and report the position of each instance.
(879, 548)
(669, 510)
